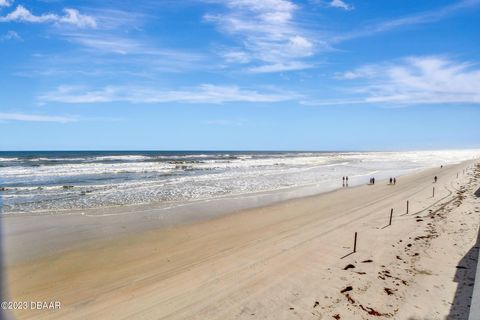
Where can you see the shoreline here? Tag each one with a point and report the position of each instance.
(60, 184)
(195, 270)
(284, 194)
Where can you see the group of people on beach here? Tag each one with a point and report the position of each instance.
(345, 181)
(372, 181)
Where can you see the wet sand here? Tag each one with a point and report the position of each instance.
(291, 260)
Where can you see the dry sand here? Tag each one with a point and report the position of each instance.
(285, 261)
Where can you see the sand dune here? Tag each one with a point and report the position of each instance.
(292, 260)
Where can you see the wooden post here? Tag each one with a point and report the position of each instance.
(355, 243)
(407, 206)
(391, 215)
(433, 194)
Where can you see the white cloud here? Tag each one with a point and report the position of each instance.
(414, 80)
(415, 19)
(114, 53)
(74, 17)
(267, 32)
(279, 67)
(35, 118)
(11, 35)
(207, 94)
(103, 54)
(24, 15)
(105, 43)
(117, 19)
(71, 17)
(341, 4)
(362, 72)
(6, 3)
(236, 56)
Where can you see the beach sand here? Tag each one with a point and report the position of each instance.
(291, 260)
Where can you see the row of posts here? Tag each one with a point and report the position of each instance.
(391, 217)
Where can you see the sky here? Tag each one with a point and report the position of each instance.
(239, 74)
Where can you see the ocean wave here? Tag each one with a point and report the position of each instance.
(108, 180)
(122, 157)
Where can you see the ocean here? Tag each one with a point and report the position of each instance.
(58, 181)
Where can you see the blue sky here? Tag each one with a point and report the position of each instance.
(239, 74)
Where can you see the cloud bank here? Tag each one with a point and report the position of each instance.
(413, 81)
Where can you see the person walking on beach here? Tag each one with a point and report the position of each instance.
(373, 180)
(394, 180)
(435, 179)
(391, 180)
(343, 181)
(346, 181)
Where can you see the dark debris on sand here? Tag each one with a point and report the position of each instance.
(346, 289)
